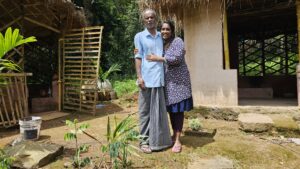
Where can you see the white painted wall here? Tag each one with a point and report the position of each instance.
(211, 84)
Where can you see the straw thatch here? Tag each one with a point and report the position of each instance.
(41, 18)
(174, 8)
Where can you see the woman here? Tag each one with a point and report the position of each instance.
(177, 81)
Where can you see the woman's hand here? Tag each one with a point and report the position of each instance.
(135, 51)
(154, 58)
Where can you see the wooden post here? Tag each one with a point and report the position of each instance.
(225, 34)
(59, 75)
(298, 66)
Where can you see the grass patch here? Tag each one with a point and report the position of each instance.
(125, 86)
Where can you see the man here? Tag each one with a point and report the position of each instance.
(153, 118)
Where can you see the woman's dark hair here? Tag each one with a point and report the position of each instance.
(172, 27)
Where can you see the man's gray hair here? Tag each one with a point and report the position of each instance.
(149, 10)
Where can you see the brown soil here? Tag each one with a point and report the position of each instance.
(246, 150)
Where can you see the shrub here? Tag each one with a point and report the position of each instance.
(125, 86)
(5, 161)
(195, 124)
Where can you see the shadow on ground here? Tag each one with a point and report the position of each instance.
(196, 141)
(109, 108)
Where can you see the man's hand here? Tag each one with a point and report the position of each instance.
(135, 51)
(141, 83)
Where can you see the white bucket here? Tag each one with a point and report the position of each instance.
(30, 127)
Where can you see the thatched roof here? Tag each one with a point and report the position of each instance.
(171, 8)
(41, 18)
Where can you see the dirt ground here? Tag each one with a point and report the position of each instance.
(246, 150)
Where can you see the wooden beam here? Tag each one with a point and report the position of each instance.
(225, 39)
(15, 74)
(260, 11)
(10, 23)
(298, 66)
(298, 28)
(60, 41)
(9, 13)
(42, 24)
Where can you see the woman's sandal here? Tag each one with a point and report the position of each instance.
(176, 149)
(146, 149)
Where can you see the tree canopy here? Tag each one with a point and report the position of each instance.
(120, 19)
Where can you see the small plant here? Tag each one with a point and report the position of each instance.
(195, 124)
(78, 162)
(10, 40)
(5, 161)
(103, 82)
(104, 75)
(119, 139)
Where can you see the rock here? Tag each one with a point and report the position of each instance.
(68, 165)
(29, 154)
(296, 117)
(16, 141)
(201, 133)
(223, 113)
(251, 122)
(217, 162)
(295, 140)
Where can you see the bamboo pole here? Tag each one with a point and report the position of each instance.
(225, 39)
(81, 70)
(4, 106)
(18, 102)
(1, 114)
(42, 24)
(26, 111)
(9, 91)
(59, 75)
(98, 66)
(298, 28)
(298, 66)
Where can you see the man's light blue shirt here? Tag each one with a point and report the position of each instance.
(152, 72)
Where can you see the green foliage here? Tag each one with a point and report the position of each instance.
(104, 75)
(119, 138)
(121, 22)
(78, 162)
(5, 161)
(195, 124)
(125, 86)
(10, 40)
(8, 65)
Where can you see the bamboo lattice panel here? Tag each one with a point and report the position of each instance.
(81, 56)
(274, 56)
(13, 98)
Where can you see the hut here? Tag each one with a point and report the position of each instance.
(62, 47)
(238, 50)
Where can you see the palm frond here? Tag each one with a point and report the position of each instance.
(12, 39)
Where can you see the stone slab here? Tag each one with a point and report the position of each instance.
(217, 162)
(296, 117)
(29, 154)
(252, 122)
